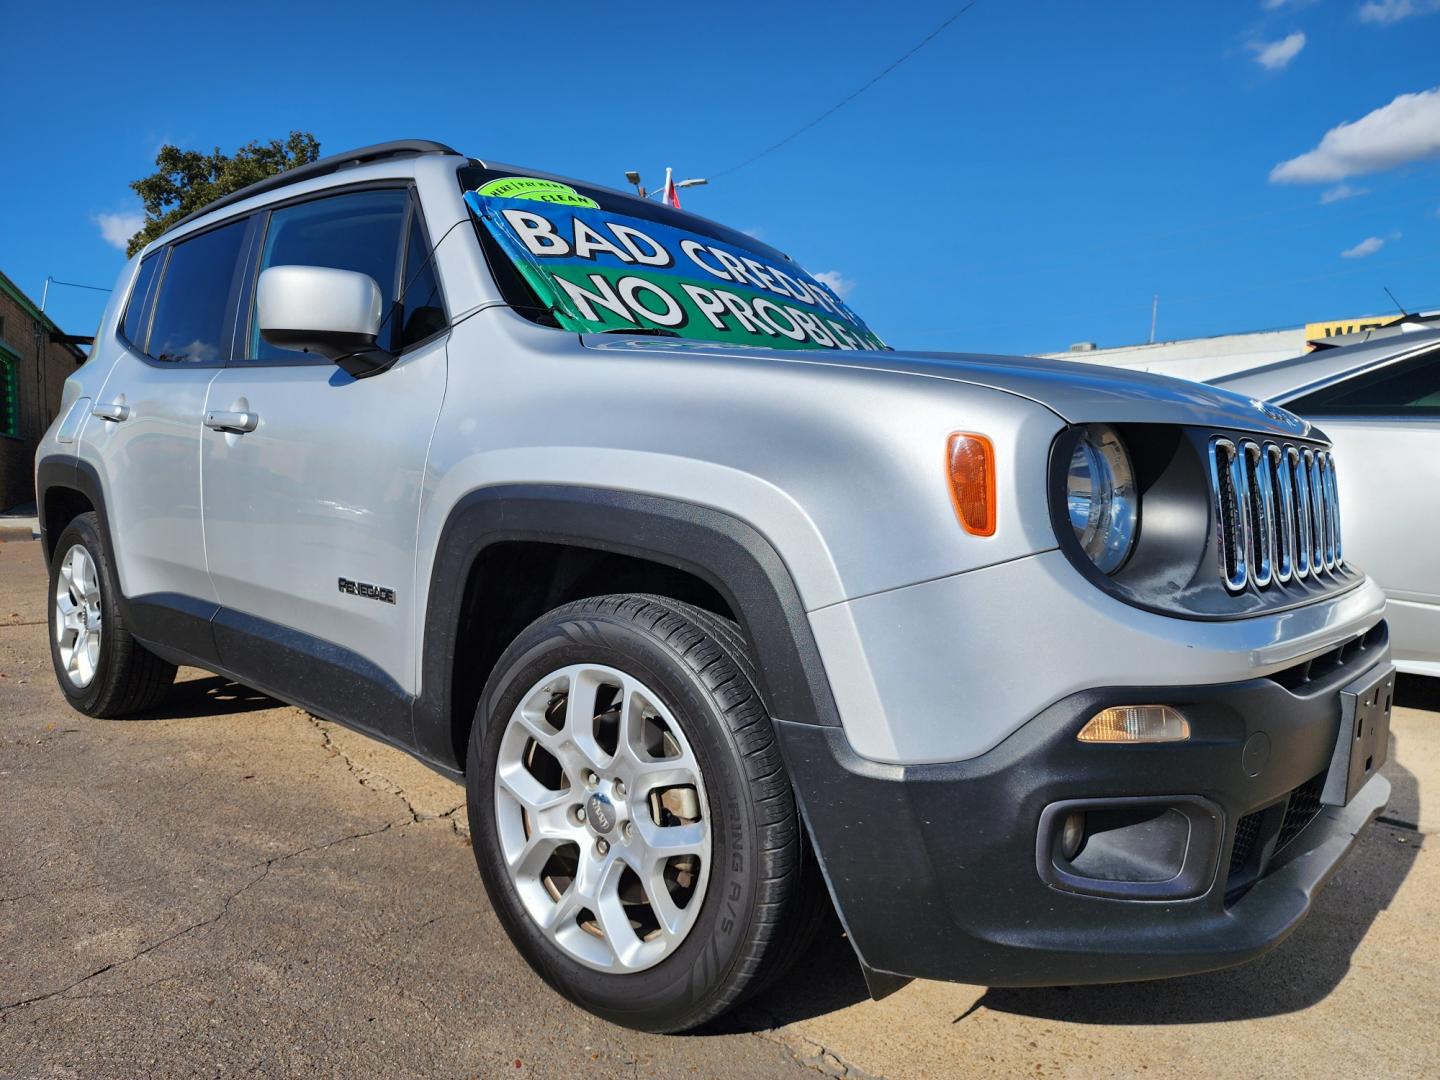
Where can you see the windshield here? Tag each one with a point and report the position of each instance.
(595, 261)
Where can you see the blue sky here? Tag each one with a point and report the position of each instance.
(1028, 179)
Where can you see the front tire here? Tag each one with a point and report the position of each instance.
(101, 668)
(630, 815)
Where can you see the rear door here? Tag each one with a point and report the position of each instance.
(1385, 423)
(310, 518)
(175, 336)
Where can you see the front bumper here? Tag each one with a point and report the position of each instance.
(934, 867)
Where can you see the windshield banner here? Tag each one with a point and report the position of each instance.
(597, 270)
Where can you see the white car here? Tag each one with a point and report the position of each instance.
(1379, 402)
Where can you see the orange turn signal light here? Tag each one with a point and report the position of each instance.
(970, 461)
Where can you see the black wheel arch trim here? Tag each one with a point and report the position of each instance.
(727, 553)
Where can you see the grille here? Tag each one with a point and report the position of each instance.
(1284, 820)
(1277, 512)
(1246, 833)
(1304, 804)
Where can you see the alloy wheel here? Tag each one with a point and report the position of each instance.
(602, 818)
(78, 616)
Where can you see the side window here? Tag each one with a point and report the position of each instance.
(196, 296)
(360, 230)
(421, 308)
(137, 308)
(1409, 388)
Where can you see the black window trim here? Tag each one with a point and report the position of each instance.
(247, 296)
(417, 215)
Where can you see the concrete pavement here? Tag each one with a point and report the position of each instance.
(236, 887)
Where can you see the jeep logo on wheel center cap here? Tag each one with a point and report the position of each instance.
(601, 812)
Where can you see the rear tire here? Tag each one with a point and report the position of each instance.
(755, 894)
(102, 670)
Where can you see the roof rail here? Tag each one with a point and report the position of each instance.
(323, 167)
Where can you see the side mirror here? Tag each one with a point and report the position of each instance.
(336, 313)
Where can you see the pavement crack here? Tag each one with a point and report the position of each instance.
(264, 867)
(806, 1052)
(116, 964)
(375, 781)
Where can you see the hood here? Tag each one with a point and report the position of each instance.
(1078, 393)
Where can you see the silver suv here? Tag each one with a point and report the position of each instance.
(721, 610)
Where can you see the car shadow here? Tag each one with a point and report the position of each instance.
(825, 978)
(210, 695)
(1301, 971)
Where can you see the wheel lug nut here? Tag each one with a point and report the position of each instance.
(591, 780)
(627, 830)
(578, 813)
(602, 846)
(620, 788)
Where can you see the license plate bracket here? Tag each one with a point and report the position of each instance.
(1364, 739)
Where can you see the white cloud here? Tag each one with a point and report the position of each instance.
(1275, 55)
(1368, 246)
(1386, 12)
(1341, 191)
(1276, 5)
(1407, 129)
(117, 229)
(837, 281)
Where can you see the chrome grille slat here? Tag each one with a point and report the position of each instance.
(1226, 478)
(1284, 501)
(1276, 508)
(1335, 502)
(1260, 514)
(1317, 514)
(1302, 512)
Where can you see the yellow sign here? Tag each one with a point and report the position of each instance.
(1316, 330)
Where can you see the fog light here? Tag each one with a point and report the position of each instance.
(1136, 724)
(1072, 833)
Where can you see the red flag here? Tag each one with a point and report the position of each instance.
(672, 196)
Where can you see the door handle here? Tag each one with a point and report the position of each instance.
(114, 412)
(232, 421)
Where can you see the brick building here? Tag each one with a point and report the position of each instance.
(35, 360)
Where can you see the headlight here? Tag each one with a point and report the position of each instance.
(1100, 497)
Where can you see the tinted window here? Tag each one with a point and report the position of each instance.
(197, 291)
(132, 327)
(1409, 388)
(359, 231)
(421, 308)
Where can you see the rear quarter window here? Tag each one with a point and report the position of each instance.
(137, 309)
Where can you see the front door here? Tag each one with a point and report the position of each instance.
(310, 517)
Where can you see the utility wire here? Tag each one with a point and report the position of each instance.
(849, 98)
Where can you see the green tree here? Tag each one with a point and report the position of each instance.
(186, 180)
